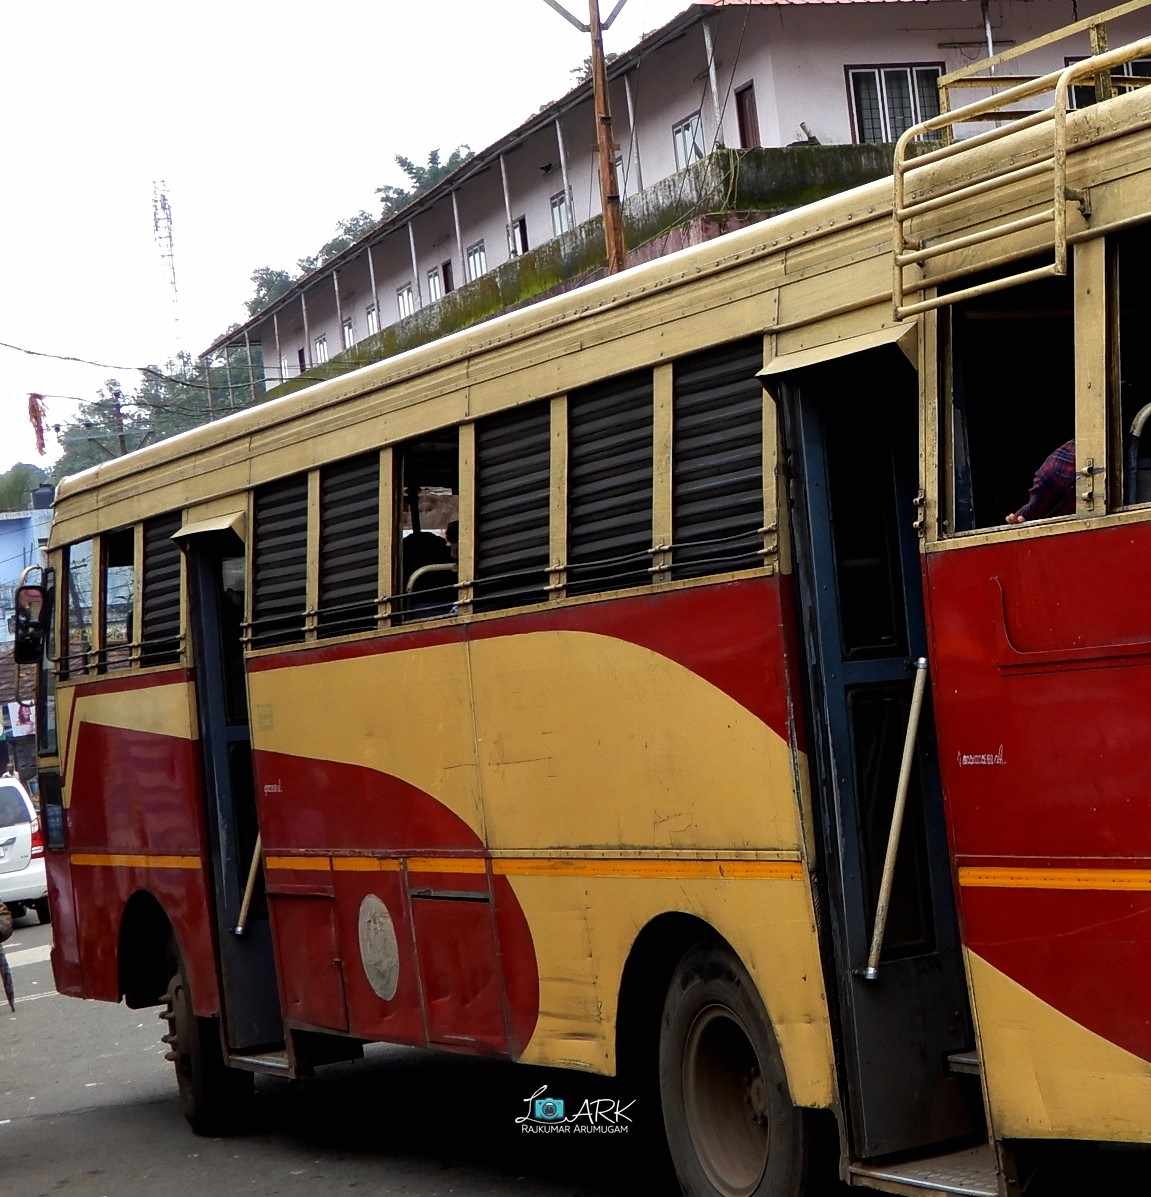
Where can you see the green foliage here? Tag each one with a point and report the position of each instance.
(184, 395)
(17, 484)
(270, 284)
(582, 73)
(348, 231)
(421, 178)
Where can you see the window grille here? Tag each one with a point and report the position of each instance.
(349, 545)
(160, 625)
(279, 562)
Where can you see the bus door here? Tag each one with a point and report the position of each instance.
(251, 1006)
(852, 433)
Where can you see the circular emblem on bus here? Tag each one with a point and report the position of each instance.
(379, 951)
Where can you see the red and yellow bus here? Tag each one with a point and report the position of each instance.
(560, 679)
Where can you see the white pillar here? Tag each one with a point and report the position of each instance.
(634, 133)
(415, 267)
(709, 47)
(564, 171)
(513, 244)
(459, 243)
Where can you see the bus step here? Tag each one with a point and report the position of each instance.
(969, 1173)
(275, 1062)
(966, 1063)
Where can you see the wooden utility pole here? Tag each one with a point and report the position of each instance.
(605, 148)
(604, 141)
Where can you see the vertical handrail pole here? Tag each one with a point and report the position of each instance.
(250, 888)
(871, 972)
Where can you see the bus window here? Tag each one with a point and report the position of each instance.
(160, 630)
(429, 474)
(349, 545)
(717, 461)
(1013, 405)
(610, 436)
(1131, 407)
(513, 499)
(77, 609)
(280, 561)
(117, 551)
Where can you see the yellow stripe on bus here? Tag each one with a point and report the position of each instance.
(1034, 878)
(127, 860)
(528, 866)
(366, 864)
(669, 869)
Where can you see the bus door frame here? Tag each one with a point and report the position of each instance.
(249, 990)
(890, 1104)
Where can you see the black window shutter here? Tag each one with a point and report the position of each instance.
(610, 484)
(160, 630)
(280, 562)
(717, 460)
(349, 545)
(512, 502)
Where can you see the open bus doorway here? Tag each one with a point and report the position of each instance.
(851, 428)
(249, 996)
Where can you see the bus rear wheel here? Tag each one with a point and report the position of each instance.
(732, 1130)
(214, 1098)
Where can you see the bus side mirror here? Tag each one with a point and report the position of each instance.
(28, 646)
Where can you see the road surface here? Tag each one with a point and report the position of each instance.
(87, 1107)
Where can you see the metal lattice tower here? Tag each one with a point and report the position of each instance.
(162, 233)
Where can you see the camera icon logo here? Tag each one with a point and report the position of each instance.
(548, 1109)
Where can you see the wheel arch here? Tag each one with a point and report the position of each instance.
(146, 950)
(647, 973)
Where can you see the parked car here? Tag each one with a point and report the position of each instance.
(23, 883)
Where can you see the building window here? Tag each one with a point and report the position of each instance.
(687, 137)
(349, 333)
(449, 278)
(1121, 76)
(561, 214)
(372, 317)
(477, 261)
(435, 286)
(886, 100)
(301, 362)
(406, 300)
(747, 116)
(322, 348)
(283, 368)
(518, 237)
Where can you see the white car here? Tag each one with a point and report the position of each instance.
(23, 883)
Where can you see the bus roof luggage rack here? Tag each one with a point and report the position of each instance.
(908, 251)
(969, 1173)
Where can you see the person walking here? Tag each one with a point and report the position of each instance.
(5, 967)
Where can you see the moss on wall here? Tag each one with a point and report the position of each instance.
(743, 185)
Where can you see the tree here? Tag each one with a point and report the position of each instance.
(422, 178)
(582, 73)
(348, 232)
(270, 284)
(17, 484)
(162, 405)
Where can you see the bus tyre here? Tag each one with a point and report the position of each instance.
(214, 1098)
(43, 911)
(731, 1128)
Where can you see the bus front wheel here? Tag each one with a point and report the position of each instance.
(214, 1098)
(731, 1127)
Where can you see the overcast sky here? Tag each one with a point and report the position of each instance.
(269, 121)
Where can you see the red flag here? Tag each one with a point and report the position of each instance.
(37, 413)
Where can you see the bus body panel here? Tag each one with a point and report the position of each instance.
(132, 793)
(1043, 696)
(566, 766)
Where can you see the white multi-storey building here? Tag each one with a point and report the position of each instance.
(740, 74)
